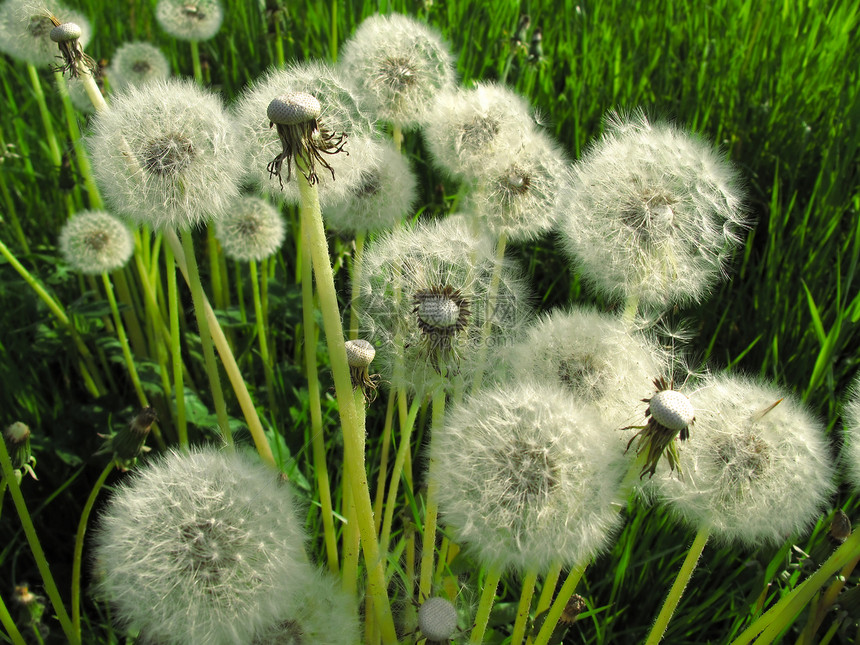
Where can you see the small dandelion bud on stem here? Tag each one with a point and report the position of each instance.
(359, 355)
(17, 437)
(127, 444)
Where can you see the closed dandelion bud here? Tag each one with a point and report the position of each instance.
(526, 477)
(252, 229)
(385, 195)
(425, 300)
(167, 155)
(398, 66)
(594, 356)
(654, 215)
(137, 63)
(95, 242)
(190, 19)
(359, 355)
(17, 438)
(520, 196)
(26, 28)
(201, 548)
(758, 468)
(330, 137)
(468, 130)
(127, 444)
(437, 619)
(323, 615)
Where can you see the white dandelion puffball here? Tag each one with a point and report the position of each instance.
(526, 477)
(25, 30)
(324, 615)
(397, 65)
(468, 129)
(190, 19)
(252, 229)
(654, 215)
(594, 356)
(136, 63)
(94, 242)
(339, 113)
(520, 196)
(424, 300)
(383, 198)
(850, 456)
(167, 155)
(757, 468)
(201, 548)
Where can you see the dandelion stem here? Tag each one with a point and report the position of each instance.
(50, 134)
(549, 583)
(684, 575)
(523, 608)
(351, 535)
(195, 61)
(488, 596)
(229, 361)
(431, 511)
(36, 547)
(79, 547)
(383, 461)
(268, 373)
(394, 483)
(9, 625)
(176, 349)
(560, 603)
(123, 341)
(356, 285)
(93, 91)
(315, 236)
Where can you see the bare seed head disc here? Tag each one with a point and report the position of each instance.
(671, 409)
(293, 109)
(66, 32)
(439, 311)
(359, 353)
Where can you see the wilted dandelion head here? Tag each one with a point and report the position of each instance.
(190, 19)
(758, 467)
(384, 196)
(519, 196)
(93, 242)
(654, 215)
(167, 155)
(339, 115)
(526, 476)
(398, 65)
(201, 547)
(25, 30)
(136, 63)
(594, 356)
(252, 229)
(425, 299)
(469, 129)
(323, 615)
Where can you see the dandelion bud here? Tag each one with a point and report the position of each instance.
(359, 354)
(127, 444)
(437, 619)
(137, 63)
(26, 30)
(202, 547)
(252, 229)
(17, 438)
(758, 468)
(190, 19)
(95, 242)
(840, 527)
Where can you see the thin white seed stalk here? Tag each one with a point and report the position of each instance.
(677, 590)
(229, 362)
(523, 608)
(312, 220)
(555, 611)
(488, 597)
(431, 512)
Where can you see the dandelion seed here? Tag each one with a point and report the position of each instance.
(95, 242)
(526, 477)
(25, 30)
(136, 63)
(252, 229)
(167, 155)
(190, 19)
(752, 478)
(398, 66)
(204, 547)
(654, 214)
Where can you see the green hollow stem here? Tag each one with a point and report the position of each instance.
(79, 547)
(198, 298)
(88, 369)
(549, 583)
(268, 373)
(176, 349)
(356, 285)
(93, 92)
(317, 438)
(265, 265)
(383, 463)
(132, 324)
(83, 159)
(677, 590)
(523, 608)
(431, 511)
(353, 441)
(228, 359)
(555, 611)
(195, 61)
(36, 547)
(397, 470)
(9, 625)
(214, 266)
(351, 534)
(47, 123)
(485, 606)
(332, 41)
(781, 615)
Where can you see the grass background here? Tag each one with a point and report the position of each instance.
(774, 84)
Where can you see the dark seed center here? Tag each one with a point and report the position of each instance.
(398, 73)
(97, 240)
(141, 67)
(168, 155)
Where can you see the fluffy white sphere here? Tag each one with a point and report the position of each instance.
(190, 19)
(25, 30)
(136, 63)
(252, 229)
(93, 242)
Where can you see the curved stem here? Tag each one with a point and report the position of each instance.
(176, 349)
(523, 608)
(488, 596)
(79, 547)
(560, 603)
(549, 583)
(677, 590)
(428, 544)
(9, 625)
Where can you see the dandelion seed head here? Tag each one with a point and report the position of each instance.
(95, 242)
(26, 27)
(437, 619)
(850, 456)
(252, 229)
(190, 19)
(136, 63)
